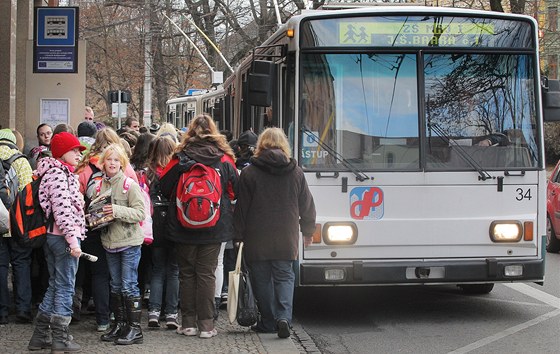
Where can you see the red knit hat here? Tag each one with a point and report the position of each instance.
(63, 142)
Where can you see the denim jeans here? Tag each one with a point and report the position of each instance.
(100, 279)
(20, 258)
(197, 281)
(273, 286)
(165, 271)
(62, 276)
(123, 267)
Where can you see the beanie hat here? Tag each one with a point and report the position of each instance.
(6, 134)
(247, 138)
(63, 142)
(154, 128)
(87, 128)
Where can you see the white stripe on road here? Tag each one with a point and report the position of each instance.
(526, 290)
(485, 341)
(535, 294)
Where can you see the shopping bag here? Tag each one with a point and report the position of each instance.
(233, 287)
(247, 312)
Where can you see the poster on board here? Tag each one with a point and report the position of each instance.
(55, 111)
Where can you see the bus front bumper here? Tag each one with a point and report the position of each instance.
(421, 272)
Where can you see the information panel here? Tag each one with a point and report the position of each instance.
(55, 46)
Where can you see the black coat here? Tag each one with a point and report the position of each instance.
(273, 204)
(207, 154)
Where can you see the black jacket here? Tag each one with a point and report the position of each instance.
(208, 154)
(273, 204)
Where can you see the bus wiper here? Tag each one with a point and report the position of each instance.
(360, 176)
(483, 174)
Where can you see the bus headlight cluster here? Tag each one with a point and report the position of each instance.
(506, 231)
(340, 233)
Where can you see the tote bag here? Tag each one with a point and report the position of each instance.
(233, 287)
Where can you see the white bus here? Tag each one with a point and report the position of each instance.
(420, 133)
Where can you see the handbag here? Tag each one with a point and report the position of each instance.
(233, 287)
(247, 311)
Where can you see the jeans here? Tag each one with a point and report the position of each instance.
(62, 276)
(165, 271)
(100, 279)
(123, 267)
(197, 281)
(20, 258)
(273, 286)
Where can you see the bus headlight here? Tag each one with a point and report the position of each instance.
(506, 231)
(340, 233)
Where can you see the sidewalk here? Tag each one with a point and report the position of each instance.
(231, 339)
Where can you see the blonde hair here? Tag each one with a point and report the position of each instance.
(104, 137)
(19, 140)
(273, 138)
(201, 128)
(167, 129)
(118, 150)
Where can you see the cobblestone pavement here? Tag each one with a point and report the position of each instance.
(231, 339)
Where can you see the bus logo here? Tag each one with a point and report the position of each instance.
(366, 203)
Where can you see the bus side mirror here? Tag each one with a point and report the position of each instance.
(551, 100)
(261, 83)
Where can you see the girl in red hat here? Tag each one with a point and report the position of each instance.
(59, 196)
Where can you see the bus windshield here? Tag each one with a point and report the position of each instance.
(433, 110)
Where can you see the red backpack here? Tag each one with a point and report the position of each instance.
(199, 192)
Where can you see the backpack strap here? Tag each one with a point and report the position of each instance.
(10, 145)
(126, 184)
(14, 157)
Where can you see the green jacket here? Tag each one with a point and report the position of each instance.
(128, 209)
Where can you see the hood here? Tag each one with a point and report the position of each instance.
(274, 162)
(46, 163)
(115, 179)
(204, 152)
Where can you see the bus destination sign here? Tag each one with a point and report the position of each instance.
(414, 34)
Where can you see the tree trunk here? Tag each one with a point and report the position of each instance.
(496, 5)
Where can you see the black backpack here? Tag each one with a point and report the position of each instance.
(28, 224)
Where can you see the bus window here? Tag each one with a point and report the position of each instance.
(481, 105)
(364, 107)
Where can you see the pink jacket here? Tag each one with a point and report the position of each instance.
(59, 194)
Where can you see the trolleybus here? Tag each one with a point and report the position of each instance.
(420, 131)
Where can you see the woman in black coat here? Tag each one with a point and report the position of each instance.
(274, 203)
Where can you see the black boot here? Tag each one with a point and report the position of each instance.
(116, 304)
(41, 338)
(133, 333)
(62, 341)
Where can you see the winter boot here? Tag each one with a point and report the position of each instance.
(116, 304)
(62, 342)
(41, 338)
(133, 333)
